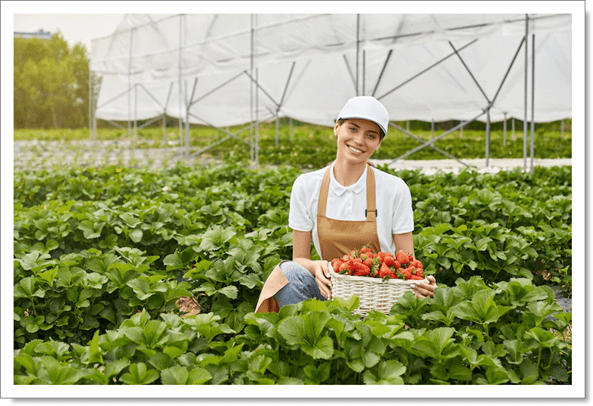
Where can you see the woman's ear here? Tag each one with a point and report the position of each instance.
(336, 129)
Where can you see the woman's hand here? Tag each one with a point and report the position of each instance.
(422, 289)
(321, 278)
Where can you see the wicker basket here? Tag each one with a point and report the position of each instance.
(374, 293)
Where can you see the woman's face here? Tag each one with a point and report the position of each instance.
(357, 139)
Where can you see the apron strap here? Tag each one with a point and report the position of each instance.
(371, 210)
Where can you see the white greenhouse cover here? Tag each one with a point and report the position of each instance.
(238, 68)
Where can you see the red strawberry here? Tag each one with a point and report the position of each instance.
(360, 269)
(389, 261)
(368, 262)
(402, 258)
(416, 278)
(416, 264)
(346, 267)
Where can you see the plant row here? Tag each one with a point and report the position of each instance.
(468, 334)
(508, 224)
(93, 248)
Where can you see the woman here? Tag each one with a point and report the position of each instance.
(337, 207)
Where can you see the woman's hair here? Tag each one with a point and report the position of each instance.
(381, 135)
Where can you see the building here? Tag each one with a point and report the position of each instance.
(39, 34)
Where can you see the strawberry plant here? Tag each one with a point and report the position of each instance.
(101, 256)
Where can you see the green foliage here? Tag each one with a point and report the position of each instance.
(51, 83)
(102, 255)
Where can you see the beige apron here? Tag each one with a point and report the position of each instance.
(336, 239)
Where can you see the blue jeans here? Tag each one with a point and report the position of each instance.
(301, 285)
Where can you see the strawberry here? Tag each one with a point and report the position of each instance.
(416, 278)
(346, 267)
(402, 258)
(416, 264)
(365, 250)
(368, 261)
(360, 269)
(384, 255)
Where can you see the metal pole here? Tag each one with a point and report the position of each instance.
(130, 83)
(164, 127)
(135, 116)
(487, 136)
(179, 85)
(256, 119)
(90, 106)
(357, 49)
(277, 128)
(525, 100)
(432, 128)
(513, 127)
(461, 131)
(251, 149)
(290, 127)
(532, 96)
(504, 132)
(187, 104)
(408, 125)
(363, 71)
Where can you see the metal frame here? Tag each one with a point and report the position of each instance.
(255, 88)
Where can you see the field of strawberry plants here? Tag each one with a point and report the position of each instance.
(103, 257)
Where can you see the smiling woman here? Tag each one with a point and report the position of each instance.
(328, 207)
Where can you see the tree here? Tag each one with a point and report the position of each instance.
(50, 83)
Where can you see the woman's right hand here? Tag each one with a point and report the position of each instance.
(322, 278)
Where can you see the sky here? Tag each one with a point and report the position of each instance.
(75, 28)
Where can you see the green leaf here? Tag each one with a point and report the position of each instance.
(58, 374)
(250, 281)
(387, 373)
(437, 343)
(259, 363)
(176, 375)
(496, 376)
(154, 333)
(139, 375)
(229, 291)
(317, 374)
(198, 376)
(136, 235)
(94, 350)
(160, 361)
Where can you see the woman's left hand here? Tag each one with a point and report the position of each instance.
(422, 289)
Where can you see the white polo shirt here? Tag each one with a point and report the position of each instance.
(394, 204)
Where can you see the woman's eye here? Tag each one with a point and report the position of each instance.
(372, 136)
(352, 128)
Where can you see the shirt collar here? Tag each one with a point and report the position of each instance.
(339, 190)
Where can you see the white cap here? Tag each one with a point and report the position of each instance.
(367, 108)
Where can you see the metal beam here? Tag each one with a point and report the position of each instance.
(409, 134)
(382, 71)
(427, 143)
(470, 73)
(424, 71)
